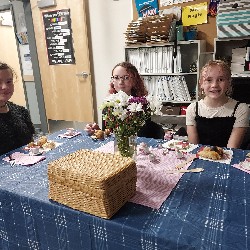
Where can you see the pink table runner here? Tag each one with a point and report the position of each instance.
(153, 185)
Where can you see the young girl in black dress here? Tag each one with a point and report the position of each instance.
(16, 127)
(217, 119)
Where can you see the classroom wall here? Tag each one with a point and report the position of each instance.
(108, 21)
(206, 31)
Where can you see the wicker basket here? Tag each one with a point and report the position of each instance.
(94, 182)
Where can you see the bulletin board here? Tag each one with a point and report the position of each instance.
(206, 31)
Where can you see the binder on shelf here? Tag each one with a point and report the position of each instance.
(168, 96)
(163, 75)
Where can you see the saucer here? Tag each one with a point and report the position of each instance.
(70, 134)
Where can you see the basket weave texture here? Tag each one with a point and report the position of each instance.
(93, 182)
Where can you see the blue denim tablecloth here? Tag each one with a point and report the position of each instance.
(207, 210)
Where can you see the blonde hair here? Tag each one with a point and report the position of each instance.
(226, 70)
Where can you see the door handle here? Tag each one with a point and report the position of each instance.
(83, 74)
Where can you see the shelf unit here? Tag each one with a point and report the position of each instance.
(233, 51)
(170, 72)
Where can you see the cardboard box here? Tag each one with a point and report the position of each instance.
(170, 110)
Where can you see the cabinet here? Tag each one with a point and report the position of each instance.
(234, 51)
(170, 72)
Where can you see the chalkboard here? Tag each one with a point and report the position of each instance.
(58, 37)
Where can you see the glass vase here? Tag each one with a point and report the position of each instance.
(125, 145)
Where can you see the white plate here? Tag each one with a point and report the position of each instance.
(226, 160)
(177, 144)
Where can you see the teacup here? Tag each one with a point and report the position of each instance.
(70, 131)
(34, 150)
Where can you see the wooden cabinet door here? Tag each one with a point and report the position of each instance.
(67, 96)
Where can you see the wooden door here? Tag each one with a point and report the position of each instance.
(67, 96)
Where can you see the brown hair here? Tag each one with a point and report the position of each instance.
(226, 69)
(138, 88)
(6, 66)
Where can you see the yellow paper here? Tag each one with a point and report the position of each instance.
(194, 14)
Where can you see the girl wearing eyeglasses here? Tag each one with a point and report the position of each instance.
(126, 77)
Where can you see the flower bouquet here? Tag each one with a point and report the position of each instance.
(125, 115)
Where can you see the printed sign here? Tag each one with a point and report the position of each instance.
(58, 36)
(194, 14)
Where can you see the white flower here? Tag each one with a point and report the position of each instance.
(123, 115)
(122, 97)
(128, 113)
(119, 112)
(155, 105)
(135, 107)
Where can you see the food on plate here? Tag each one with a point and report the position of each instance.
(49, 145)
(91, 128)
(179, 145)
(107, 132)
(41, 141)
(32, 145)
(99, 134)
(213, 153)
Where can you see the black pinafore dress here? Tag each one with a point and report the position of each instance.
(215, 131)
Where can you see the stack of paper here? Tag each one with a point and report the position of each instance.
(136, 32)
(238, 60)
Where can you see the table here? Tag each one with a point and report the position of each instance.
(207, 210)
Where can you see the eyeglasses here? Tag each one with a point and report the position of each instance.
(118, 78)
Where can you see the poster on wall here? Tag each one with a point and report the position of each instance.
(147, 7)
(58, 35)
(213, 6)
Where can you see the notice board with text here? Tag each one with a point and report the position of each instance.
(58, 35)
